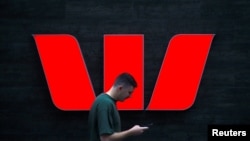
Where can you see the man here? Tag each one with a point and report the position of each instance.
(104, 119)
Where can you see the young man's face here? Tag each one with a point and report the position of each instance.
(125, 92)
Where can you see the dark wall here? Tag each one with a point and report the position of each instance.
(26, 109)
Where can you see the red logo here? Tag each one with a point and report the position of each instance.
(176, 86)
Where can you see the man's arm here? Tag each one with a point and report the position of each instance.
(136, 130)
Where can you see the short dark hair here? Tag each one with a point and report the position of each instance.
(125, 79)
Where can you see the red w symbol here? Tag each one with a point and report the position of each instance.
(176, 87)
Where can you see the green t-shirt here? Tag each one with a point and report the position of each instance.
(104, 118)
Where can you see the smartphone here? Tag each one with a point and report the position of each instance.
(148, 125)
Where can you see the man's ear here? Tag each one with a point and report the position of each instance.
(120, 87)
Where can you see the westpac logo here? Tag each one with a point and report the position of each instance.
(176, 86)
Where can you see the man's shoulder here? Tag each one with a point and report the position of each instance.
(104, 99)
(101, 96)
(103, 103)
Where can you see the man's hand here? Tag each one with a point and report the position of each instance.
(136, 130)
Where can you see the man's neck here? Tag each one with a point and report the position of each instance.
(111, 93)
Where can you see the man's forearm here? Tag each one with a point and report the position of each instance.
(117, 136)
